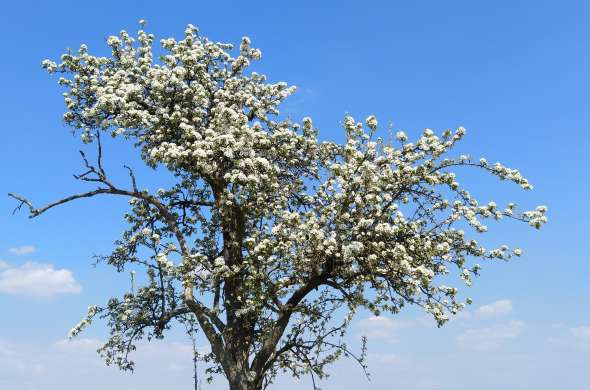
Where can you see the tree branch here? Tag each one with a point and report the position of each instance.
(288, 308)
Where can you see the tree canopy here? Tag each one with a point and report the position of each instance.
(270, 240)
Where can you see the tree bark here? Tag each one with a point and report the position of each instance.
(243, 384)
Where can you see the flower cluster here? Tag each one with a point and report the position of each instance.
(92, 311)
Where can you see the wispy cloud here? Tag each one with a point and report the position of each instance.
(577, 338)
(382, 328)
(22, 250)
(495, 309)
(37, 280)
(387, 358)
(65, 364)
(581, 333)
(484, 339)
(78, 345)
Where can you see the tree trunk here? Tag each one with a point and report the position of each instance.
(243, 384)
(239, 378)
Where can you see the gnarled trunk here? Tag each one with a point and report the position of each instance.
(243, 384)
(237, 370)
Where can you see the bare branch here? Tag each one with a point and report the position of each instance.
(169, 316)
(34, 212)
(132, 176)
(99, 158)
(282, 321)
(22, 201)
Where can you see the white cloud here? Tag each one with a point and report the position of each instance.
(3, 264)
(581, 333)
(14, 362)
(495, 309)
(71, 364)
(484, 339)
(382, 328)
(576, 338)
(498, 308)
(78, 345)
(37, 280)
(22, 250)
(387, 358)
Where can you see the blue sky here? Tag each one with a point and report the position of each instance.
(514, 73)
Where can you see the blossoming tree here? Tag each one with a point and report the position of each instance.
(270, 240)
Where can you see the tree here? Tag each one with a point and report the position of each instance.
(270, 240)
